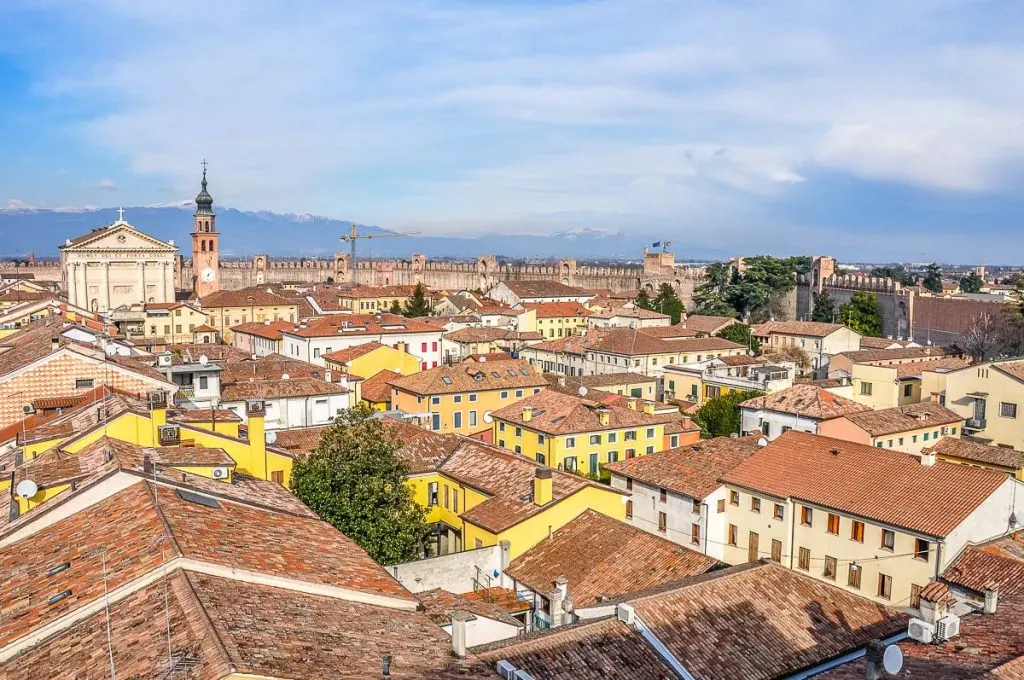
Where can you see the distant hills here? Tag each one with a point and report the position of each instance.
(244, 233)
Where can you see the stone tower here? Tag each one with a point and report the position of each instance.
(205, 244)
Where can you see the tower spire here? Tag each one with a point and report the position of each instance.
(204, 201)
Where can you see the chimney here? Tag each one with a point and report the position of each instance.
(328, 375)
(557, 599)
(147, 464)
(256, 412)
(649, 408)
(874, 654)
(561, 381)
(631, 403)
(928, 458)
(605, 416)
(542, 486)
(991, 600)
(459, 634)
(625, 613)
(527, 414)
(54, 343)
(157, 413)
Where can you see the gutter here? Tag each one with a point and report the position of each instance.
(845, 658)
(660, 649)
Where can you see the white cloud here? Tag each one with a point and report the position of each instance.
(107, 185)
(15, 205)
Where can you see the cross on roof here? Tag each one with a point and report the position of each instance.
(120, 214)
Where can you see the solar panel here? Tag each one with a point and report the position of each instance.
(197, 499)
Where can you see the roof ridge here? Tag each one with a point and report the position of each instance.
(191, 594)
(168, 532)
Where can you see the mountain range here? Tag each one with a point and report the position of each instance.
(245, 233)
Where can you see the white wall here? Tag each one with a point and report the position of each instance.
(295, 412)
(454, 572)
(750, 420)
(313, 349)
(989, 520)
(482, 630)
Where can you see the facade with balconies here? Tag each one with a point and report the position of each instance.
(990, 397)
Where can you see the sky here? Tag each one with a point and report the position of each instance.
(875, 130)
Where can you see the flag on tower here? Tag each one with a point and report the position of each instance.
(656, 244)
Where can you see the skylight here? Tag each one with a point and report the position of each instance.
(197, 499)
(446, 380)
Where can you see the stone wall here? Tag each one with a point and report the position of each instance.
(456, 573)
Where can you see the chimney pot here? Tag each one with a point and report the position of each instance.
(459, 634)
(928, 458)
(874, 655)
(55, 343)
(991, 600)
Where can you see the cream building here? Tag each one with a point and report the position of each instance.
(991, 398)
(117, 266)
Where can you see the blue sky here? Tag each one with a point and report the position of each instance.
(869, 130)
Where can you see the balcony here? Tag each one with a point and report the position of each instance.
(127, 315)
(975, 424)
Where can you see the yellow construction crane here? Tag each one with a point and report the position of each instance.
(351, 238)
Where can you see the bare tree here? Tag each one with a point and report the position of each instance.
(981, 340)
(1011, 333)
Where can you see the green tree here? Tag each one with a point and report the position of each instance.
(396, 308)
(667, 302)
(971, 283)
(824, 308)
(710, 296)
(720, 416)
(862, 314)
(1018, 295)
(932, 278)
(643, 300)
(418, 305)
(740, 333)
(355, 481)
(896, 272)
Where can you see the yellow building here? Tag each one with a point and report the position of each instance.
(698, 382)
(990, 396)
(613, 350)
(878, 523)
(477, 495)
(363, 299)
(227, 308)
(558, 319)
(904, 428)
(627, 384)
(364, 361)
(461, 398)
(576, 434)
(887, 386)
(174, 322)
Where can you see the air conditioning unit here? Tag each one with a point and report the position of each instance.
(220, 473)
(947, 627)
(945, 430)
(506, 671)
(922, 631)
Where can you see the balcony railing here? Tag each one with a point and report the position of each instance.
(975, 424)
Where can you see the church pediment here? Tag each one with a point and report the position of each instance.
(118, 236)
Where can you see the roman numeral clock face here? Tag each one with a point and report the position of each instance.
(208, 274)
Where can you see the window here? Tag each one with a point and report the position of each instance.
(457, 398)
(457, 422)
(734, 498)
(695, 534)
(830, 568)
(570, 463)
(83, 383)
(885, 586)
(519, 393)
(1007, 410)
(662, 495)
(804, 560)
(455, 500)
(908, 390)
(857, 532)
(753, 543)
(433, 347)
(650, 433)
(833, 524)
(778, 512)
(613, 456)
(504, 394)
(519, 432)
(423, 347)
(776, 550)
(594, 464)
(630, 435)
(673, 441)
(806, 516)
(721, 505)
(447, 500)
(595, 439)
(696, 506)
(204, 382)
(853, 576)
(277, 476)
(662, 522)
(629, 483)
(921, 549)
(432, 494)
(472, 396)
(915, 596)
(629, 509)
(541, 458)
(733, 531)
(888, 540)
(435, 400)
(755, 504)
(630, 453)
(501, 426)
(540, 439)
(613, 437)
(472, 418)
(570, 442)
(926, 436)
(890, 444)
(865, 388)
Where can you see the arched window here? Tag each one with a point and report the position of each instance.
(202, 246)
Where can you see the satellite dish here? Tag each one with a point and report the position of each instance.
(203, 359)
(285, 376)
(487, 417)
(583, 390)
(270, 436)
(27, 489)
(761, 441)
(892, 659)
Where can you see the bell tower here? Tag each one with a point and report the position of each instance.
(205, 244)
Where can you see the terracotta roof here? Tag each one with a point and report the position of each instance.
(472, 377)
(558, 414)
(424, 452)
(572, 344)
(980, 453)
(603, 557)
(692, 470)
(629, 313)
(809, 401)
(914, 369)
(504, 597)
(1012, 368)
(205, 415)
(354, 325)
(489, 356)
(542, 289)
(257, 296)
(607, 379)
(995, 564)
(743, 360)
(789, 622)
(552, 310)
(903, 418)
(708, 324)
(882, 485)
(269, 330)
(816, 329)
(490, 334)
(299, 439)
(866, 356)
(439, 605)
(299, 386)
(377, 387)
(670, 332)
(270, 367)
(362, 292)
(342, 356)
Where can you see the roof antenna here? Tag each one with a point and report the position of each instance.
(106, 607)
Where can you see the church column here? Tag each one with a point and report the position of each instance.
(104, 295)
(84, 285)
(73, 283)
(141, 280)
(163, 282)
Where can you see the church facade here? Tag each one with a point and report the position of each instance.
(117, 266)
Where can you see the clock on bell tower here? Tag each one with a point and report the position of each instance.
(205, 244)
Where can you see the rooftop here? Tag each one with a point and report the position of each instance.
(692, 470)
(271, 330)
(543, 289)
(377, 388)
(808, 328)
(979, 453)
(708, 324)
(280, 388)
(864, 356)
(903, 418)
(343, 356)
(885, 486)
(553, 310)
(914, 369)
(440, 604)
(472, 377)
(490, 334)
(245, 297)
(809, 401)
(557, 413)
(346, 325)
(603, 558)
